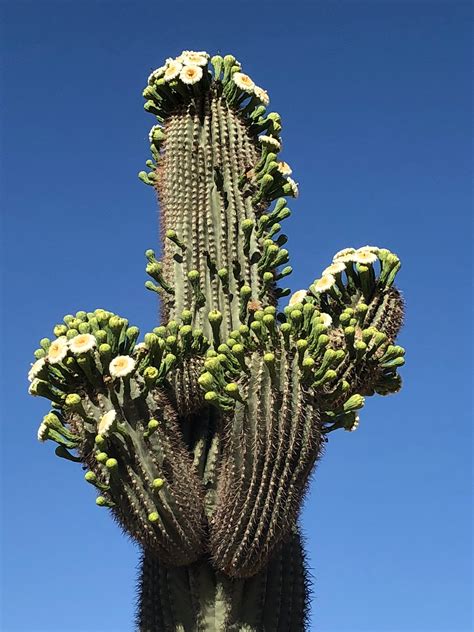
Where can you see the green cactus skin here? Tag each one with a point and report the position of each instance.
(201, 439)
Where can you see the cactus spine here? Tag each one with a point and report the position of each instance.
(200, 439)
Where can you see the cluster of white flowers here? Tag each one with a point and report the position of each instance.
(82, 343)
(246, 84)
(188, 67)
(366, 255)
(192, 57)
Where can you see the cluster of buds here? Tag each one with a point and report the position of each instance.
(361, 276)
(330, 347)
(94, 353)
(192, 74)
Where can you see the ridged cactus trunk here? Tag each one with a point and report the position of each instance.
(201, 438)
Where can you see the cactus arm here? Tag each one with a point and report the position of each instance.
(119, 418)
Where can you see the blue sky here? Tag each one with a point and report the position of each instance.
(374, 98)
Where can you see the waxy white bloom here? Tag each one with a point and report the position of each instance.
(364, 257)
(33, 386)
(82, 343)
(35, 369)
(326, 318)
(369, 248)
(343, 253)
(324, 283)
(140, 346)
(297, 297)
(156, 74)
(191, 74)
(152, 131)
(191, 57)
(243, 82)
(173, 68)
(335, 268)
(106, 422)
(294, 187)
(284, 168)
(121, 366)
(58, 350)
(262, 95)
(42, 432)
(355, 425)
(273, 143)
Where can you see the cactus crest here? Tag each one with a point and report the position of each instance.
(200, 439)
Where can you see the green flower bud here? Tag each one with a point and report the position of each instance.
(223, 275)
(45, 343)
(152, 425)
(212, 397)
(186, 316)
(269, 320)
(353, 403)
(285, 328)
(269, 359)
(90, 477)
(60, 330)
(101, 336)
(193, 275)
(73, 400)
(215, 317)
(393, 363)
(232, 390)
(213, 364)
(101, 457)
(153, 516)
(111, 464)
(296, 316)
(302, 345)
(158, 483)
(100, 441)
(206, 380)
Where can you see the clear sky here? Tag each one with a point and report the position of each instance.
(374, 97)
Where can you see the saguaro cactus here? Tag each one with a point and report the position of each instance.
(200, 439)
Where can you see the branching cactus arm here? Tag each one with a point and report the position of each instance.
(201, 438)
